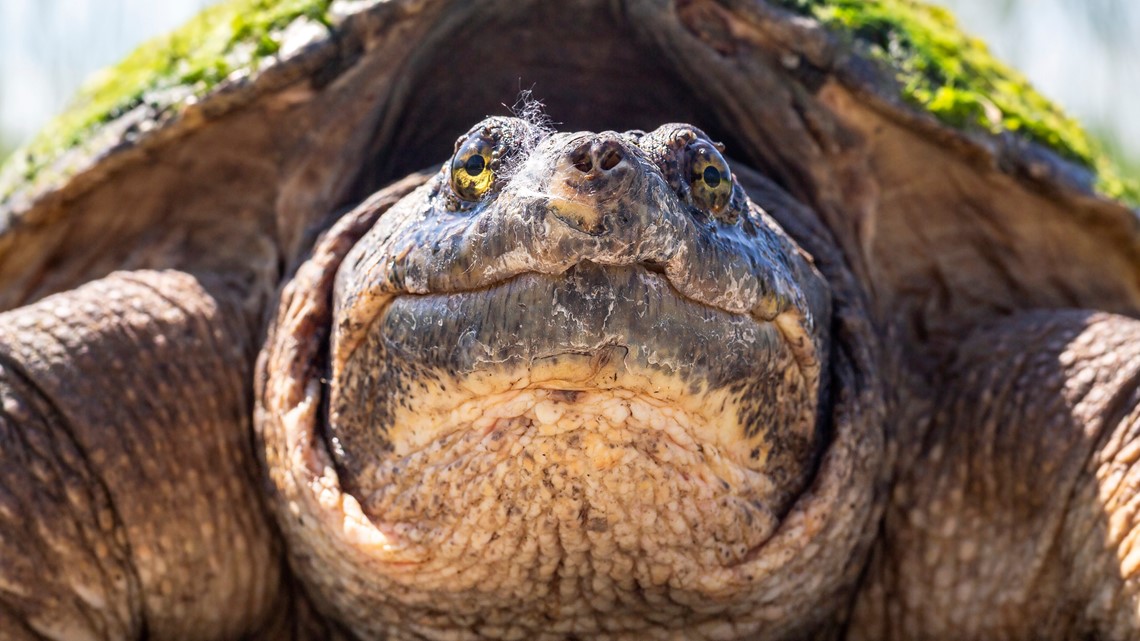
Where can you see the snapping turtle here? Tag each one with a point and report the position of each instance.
(864, 371)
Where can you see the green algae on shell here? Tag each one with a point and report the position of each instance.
(955, 78)
(166, 73)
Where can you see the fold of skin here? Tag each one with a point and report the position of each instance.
(581, 403)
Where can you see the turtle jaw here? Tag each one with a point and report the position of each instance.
(592, 327)
(546, 359)
(574, 432)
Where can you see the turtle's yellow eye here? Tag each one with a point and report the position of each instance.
(710, 179)
(471, 169)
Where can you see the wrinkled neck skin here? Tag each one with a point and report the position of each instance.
(583, 394)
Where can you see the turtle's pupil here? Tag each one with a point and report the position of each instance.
(475, 164)
(711, 176)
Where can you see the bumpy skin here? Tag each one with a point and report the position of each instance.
(129, 505)
(1018, 518)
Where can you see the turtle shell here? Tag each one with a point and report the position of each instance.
(225, 145)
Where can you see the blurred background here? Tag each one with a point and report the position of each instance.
(1084, 54)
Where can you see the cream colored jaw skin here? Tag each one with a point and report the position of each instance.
(478, 400)
(600, 441)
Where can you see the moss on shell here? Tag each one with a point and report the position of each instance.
(231, 36)
(954, 77)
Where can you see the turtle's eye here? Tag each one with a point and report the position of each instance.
(710, 179)
(472, 168)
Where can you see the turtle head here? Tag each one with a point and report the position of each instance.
(571, 370)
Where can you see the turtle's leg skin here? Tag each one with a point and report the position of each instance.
(1018, 516)
(129, 503)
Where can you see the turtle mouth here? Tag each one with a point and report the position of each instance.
(592, 327)
(589, 291)
(592, 310)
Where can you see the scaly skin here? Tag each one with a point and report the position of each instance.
(129, 504)
(1018, 517)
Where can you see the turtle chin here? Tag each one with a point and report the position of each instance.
(592, 432)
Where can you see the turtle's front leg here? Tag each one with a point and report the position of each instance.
(1018, 517)
(129, 503)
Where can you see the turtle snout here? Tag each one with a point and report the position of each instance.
(590, 175)
(599, 164)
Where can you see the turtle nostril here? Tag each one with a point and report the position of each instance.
(596, 158)
(581, 159)
(610, 158)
